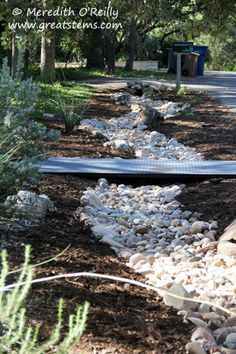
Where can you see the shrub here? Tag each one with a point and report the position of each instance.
(16, 336)
(21, 138)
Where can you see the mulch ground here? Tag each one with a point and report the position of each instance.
(122, 318)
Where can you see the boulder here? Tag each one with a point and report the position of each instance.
(149, 116)
(29, 205)
(136, 87)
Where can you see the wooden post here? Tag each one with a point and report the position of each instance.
(178, 71)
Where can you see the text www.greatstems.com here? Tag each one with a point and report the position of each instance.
(40, 27)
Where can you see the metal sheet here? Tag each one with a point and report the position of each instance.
(138, 167)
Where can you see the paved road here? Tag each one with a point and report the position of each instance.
(221, 85)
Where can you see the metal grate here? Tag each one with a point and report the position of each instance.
(138, 167)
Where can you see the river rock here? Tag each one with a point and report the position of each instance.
(198, 227)
(202, 335)
(194, 348)
(227, 248)
(180, 304)
(230, 341)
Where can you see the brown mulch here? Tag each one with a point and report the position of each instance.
(211, 129)
(122, 318)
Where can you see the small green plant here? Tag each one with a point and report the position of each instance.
(16, 336)
(68, 112)
(182, 91)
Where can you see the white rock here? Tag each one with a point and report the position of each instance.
(135, 258)
(90, 198)
(227, 248)
(181, 303)
(29, 205)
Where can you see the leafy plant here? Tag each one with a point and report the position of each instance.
(16, 336)
(68, 112)
(21, 138)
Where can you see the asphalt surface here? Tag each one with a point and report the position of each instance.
(219, 84)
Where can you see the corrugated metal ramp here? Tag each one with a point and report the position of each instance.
(135, 168)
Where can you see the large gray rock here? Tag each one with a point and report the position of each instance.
(229, 233)
(181, 303)
(149, 116)
(202, 335)
(136, 87)
(29, 205)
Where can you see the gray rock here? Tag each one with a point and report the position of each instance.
(198, 322)
(198, 227)
(194, 348)
(202, 335)
(180, 304)
(230, 341)
(227, 248)
(148, 116)
(90, 198)
(230, 322)
(29, 205)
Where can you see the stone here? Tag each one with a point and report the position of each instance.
(230, 322)
(90, 198)
(148, 116)
(141, 229)
(230, 341)
(229, 233)
(29, 206)
(194, 348)
(203, 308)
(198, 322)
(111, 242)
(101, 231)
(135, 258)
(198, 227)
(179, 303)
(202, 335)
(227, 248)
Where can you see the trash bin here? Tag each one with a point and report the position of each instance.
(171, 62)
(183, 47)
(202, 50)
(190, 64)
(180, 47)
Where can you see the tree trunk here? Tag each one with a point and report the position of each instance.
(14, 56)
(109, 53)
(131, 46)
(94, 53)
(47, 65)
